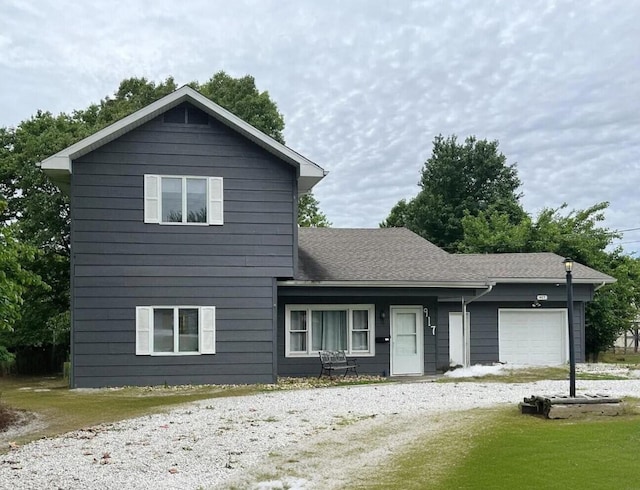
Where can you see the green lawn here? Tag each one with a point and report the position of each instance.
(629, 357)
(507, 450)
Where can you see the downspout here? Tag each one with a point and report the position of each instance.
(599, 286)
(466, 328)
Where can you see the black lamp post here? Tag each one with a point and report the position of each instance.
(568, 267)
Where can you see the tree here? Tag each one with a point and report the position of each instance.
(309, 214)
(458, 179)
(576, 234)
(14, 282)
(241, 97)
(41, 212)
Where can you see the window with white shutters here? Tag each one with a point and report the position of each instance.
(183, 200)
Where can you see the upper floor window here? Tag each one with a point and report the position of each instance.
(172, 199)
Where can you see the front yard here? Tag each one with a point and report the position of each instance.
(502, 449)
(390, 435)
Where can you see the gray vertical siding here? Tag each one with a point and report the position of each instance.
(119, 262)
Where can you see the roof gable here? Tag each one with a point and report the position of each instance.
(60, 166)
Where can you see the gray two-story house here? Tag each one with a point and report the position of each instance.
(188, 267)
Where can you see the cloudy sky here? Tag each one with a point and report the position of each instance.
(365, 85)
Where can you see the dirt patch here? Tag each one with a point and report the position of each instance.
(8, 417)
(350, 451)
(23, 423)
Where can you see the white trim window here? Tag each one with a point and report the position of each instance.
(312, 328)
(175, 330)
(180, 200)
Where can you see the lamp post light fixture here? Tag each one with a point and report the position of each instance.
(568, 267)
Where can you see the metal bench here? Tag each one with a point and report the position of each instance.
(336, 361)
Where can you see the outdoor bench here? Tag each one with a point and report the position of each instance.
(333, 361)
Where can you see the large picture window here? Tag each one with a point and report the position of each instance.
(172, 199)
(181, 330)
(312, 328)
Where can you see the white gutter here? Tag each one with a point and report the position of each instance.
(386, 284)
(466, 328)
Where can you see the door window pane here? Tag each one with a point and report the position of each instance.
(405, 323)
(196, 201)
(171, 200)
(406, 344)
(188, 330)
(163, 330)
(406, 333)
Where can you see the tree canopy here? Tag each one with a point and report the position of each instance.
(309, 214)
(40, 212)
(458, 179)
(576, 234)
(469, 202)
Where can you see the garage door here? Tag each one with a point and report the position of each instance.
(537, 337)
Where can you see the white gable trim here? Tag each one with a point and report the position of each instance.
(59, 166)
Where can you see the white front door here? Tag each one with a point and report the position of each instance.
(407, 340)
(456, 339)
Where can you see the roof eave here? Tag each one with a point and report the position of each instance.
(388, 284)
(550, 280)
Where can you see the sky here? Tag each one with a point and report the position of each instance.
(365, 85)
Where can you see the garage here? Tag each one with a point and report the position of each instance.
(533, 337)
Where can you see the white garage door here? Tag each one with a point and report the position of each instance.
(536, 337)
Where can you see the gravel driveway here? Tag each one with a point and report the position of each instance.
(238, 442)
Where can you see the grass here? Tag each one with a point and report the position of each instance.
(524, 375)
(62, 410)
(505, 450)
(630, 358)
(531, 374)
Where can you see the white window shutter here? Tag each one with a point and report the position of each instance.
(216, 208)
(151, 198)
(143, 330)
(208, 330)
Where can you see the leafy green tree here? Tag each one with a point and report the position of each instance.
(241, 97)
(309, 214)
(456, 180)
(15, 281)
(41, 212)
(576, 234)
(613, 309)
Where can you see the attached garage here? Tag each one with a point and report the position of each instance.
(533, 337)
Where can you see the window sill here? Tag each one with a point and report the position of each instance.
(171, 223)
(314, 355)
(172, 354)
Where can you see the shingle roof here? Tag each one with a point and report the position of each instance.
(397, 255)
(529, 266)
(385, 254)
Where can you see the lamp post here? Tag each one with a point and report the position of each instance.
(568, 267)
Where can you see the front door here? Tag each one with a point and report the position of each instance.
(407, 341)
